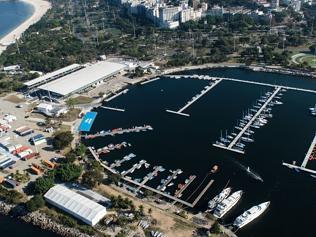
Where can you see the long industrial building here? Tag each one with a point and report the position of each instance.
(52, 76)
(79, 80)
(75, 204)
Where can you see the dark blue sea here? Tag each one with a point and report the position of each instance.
(12, 14)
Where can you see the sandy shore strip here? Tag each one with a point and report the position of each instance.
(40, 8)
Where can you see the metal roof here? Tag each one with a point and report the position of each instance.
(82, 78)
(52, 74)
(75, 204)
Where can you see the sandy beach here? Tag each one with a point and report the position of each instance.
(40, 8)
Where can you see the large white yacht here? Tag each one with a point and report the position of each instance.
(219, 198)
(250, 214)
(228, 203)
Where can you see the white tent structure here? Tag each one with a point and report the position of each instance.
(75, 204)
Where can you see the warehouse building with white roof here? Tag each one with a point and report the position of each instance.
(75, 82)
(75, 204)
(52, 76)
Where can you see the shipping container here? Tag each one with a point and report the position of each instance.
(24, 153)
(49, 164)
(30, 156)
(35, 170)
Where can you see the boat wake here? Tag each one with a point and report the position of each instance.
(250, 172)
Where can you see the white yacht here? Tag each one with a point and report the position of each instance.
(228, 203)
(219, 198)
(250, 214)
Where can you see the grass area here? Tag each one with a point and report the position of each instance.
(310, 59)
(82, 100)
(71, 115)
(14, 99)
(64, 128)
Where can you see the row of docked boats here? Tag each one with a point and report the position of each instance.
(118, 131)
(112, 147)
(250, 121)
(222, 203)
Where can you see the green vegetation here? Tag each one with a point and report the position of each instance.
(10, 196)
(62, 140)
(43, 184)
(92, 178)
(35, 203)
(68, 172)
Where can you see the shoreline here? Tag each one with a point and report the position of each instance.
(42, 221)
(40, 8)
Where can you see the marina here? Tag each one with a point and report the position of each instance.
(235, 145)
(144, 186)
(194, 99)
(185, 144)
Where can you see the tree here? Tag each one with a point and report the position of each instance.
(68, 172)
(35, 203)
(141, 209)
(91, 178)
(70, 103)
(42, 184)
(216, 229)
(80, 150)
(114, 178)
(150, 211)
(62, 140)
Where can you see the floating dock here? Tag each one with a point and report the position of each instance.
(305, 161)
(113, 109)
(194, 99)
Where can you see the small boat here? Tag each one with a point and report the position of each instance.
(214, 169)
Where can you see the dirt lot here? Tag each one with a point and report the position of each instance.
(170, 224)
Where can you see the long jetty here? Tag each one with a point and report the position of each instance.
(305, 161)
(244, 129)
(188, 104)
(111, 108)
(206, 77)
(150, 80)
(118, 131)
(191, 205)
(116, 95)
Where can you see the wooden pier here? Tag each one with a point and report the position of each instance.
(111, 108)
(244, 129)
(142, 185)
(179, 112)
(305, 161)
